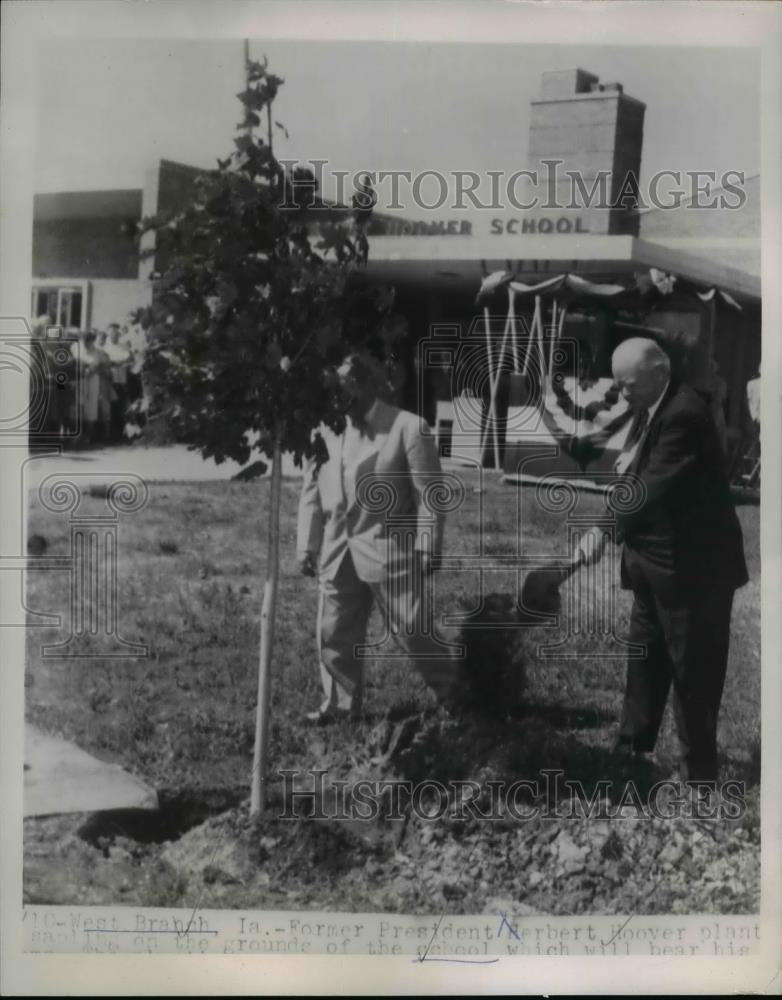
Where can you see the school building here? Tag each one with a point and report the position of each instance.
(513, 313)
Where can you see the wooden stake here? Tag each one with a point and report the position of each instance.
(259, 777)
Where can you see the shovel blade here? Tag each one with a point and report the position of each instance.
(540, 592)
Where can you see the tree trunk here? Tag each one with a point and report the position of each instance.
(259, 779)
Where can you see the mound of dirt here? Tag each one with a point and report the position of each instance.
(493, 652)
(521, 858)
(318, 851)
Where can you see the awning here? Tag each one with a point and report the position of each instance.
(456, 264)
(642, 288)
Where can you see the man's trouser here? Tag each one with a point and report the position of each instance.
(686, 645)
(345, 603)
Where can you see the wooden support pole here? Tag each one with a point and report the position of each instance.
(259, 776)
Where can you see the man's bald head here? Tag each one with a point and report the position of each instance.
(641, 369)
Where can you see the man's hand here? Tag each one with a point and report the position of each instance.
(591, 545)
(307, 565)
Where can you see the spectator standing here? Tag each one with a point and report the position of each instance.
(120, 359)
(91, 363)
(135, 386)
(343, 539)
(61, 386)
(106, 390)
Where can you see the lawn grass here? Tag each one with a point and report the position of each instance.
(190, 579)
(191, 571)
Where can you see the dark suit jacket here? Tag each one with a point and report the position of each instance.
(685, 534)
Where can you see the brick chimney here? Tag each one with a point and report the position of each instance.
(591, 127)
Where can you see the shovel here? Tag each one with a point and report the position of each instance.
(540, 592)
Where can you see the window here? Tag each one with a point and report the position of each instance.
(65, 304)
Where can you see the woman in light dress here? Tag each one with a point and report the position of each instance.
(94, 384)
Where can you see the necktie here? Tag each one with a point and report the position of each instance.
(630, 448)
(637, 432)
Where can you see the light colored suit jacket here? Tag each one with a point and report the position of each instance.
(362, 507)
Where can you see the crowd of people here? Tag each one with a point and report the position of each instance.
(93, 391)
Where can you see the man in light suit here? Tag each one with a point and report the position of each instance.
(682, 557)
(378, 471)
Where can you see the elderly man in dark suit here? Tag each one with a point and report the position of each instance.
(683, 558)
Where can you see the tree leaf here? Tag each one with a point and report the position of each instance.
(250, 297)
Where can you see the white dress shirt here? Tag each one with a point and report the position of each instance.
(356, 443)
(627, 455)
(120, 357)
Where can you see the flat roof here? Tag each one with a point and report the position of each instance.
(118, 203)
(444, 263)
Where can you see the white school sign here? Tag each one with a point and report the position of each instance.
(486, 224)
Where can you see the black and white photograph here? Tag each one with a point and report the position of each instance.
(388, 531)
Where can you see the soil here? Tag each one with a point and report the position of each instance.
(204, 848)
(182, 720)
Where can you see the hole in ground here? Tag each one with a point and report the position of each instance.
(179, 811)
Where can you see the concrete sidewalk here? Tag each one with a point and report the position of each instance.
(156, 464)
(169, 463)
(59, 777)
